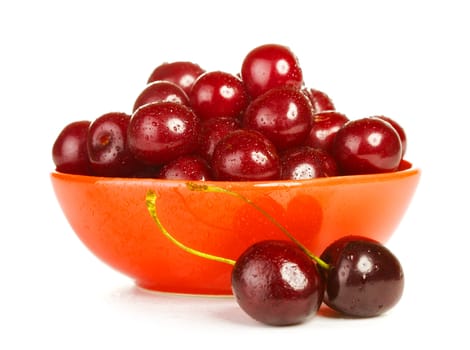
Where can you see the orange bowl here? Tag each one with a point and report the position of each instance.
(110, 217)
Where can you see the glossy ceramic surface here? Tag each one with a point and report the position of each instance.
(109, 215)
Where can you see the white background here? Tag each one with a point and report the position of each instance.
(61, 62)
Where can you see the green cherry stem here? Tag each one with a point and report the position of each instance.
(150, 202)
(216, 189)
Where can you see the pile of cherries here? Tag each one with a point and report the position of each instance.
(261, 124)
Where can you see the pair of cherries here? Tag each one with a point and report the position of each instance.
(280, 282)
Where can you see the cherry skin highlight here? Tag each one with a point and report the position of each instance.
(276, 283)
(365, 279)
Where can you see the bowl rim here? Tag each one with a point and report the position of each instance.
(407, 170)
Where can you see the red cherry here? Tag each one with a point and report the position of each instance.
(107, 145)
(70, 152)
(162, 131)
(269, 66)
(284, 115)
(320, 100)
(367, 145)
(212, 131)
(181, 73)
(303, 163)
(161, 91)
(189, 167)
(276, 283)
(365, 279)
(399, 129)
(218, 94)
(245, 155)
(324, 127)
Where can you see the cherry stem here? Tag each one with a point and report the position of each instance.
(151, 203)
(216, 189)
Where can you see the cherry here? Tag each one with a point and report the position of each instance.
(245, 155)
(69, 151)
(399, 129)
(212, 131)
(269, 66)
(320, 100)
(364, 279)
(324, 127)
(284, 115)
(366, 146)
(305, 162)
(182, 73)
(161, 91)
(162, 131)
(107, 145)
(276, 283)
(218, 94)
(187, 167)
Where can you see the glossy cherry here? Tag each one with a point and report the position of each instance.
(212, 131)
(107, 146)
(276, 283)
(161, 91)
(269, 66)
(187, 167)
(399, 129)
(302, 163)
(182, 73)
(162, 131)
(284, 115)
(245, 155)
(69, 151)
(324, 127)
(320, 100)
(366, 146)
(365, 279)
(218, 94)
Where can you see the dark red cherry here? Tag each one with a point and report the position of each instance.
(212, 131)
(324, 127)
(365, 278)
(399, 129)
(367, 145)
(182, 73)
(245, 155)
(161, 91)
(218, 94)
(284, 115)
(270, 66)
(320, 100)
(107, 145)
(162, 131)
(188, 167)
(69, 151)
(305, 162)
(276, 283)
